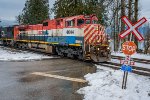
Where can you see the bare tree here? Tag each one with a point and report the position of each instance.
(122, 13)
(130, 13)
(122, 8)
(136, 2)
(147, 41)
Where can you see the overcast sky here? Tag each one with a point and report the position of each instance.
(11, 8)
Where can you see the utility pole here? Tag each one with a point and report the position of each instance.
(0, 29)
(0, 22)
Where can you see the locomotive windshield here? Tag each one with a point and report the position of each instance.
(87, 21)
(94, 22)
(45, 24)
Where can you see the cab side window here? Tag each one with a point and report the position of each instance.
(70, 23)
(45, 24)
(80, 22)
(58, 22)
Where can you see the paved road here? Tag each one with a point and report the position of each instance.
(17, 82)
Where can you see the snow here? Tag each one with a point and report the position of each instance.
(7, 54)
(136, 63)
(136, 55)
(106, 84)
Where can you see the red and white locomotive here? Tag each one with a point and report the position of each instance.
(78, 36)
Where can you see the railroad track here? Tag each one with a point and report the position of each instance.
(135, 59)
(136, 69)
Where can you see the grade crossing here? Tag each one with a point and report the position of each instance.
(136, 69)
(145, 61)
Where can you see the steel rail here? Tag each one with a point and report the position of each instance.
(145, 61)
(136, 69)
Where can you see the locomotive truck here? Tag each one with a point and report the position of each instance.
(75, 37)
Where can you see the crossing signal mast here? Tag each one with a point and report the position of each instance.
(129, 47)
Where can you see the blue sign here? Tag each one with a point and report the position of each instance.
(126, 68)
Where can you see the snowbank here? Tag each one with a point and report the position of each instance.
(106, 85)
(7, 54)
(136, 55)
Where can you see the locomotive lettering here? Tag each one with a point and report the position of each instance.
(70, 32)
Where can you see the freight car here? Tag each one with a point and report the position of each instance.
(74, 37)
(6, 35)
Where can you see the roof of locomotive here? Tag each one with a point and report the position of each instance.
(64, 18)
(73, 17)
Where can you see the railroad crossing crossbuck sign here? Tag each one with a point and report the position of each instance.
(133, 28)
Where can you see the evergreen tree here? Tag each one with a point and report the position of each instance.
(34, 12)
(65, 8)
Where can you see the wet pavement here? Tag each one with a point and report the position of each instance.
(17, 82)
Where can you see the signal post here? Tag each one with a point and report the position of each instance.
(129, 47)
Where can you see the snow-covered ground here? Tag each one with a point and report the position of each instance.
(136, 55)
(7, 54)
(106, 84)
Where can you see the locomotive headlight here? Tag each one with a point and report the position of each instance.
(108, 48)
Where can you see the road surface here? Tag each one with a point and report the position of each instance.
(17, 81)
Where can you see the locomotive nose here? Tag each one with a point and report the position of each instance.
(100, 54)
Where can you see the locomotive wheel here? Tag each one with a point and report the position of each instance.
(59, 51)
(80, 57)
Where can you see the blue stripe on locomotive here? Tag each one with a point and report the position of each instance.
(63, 40)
